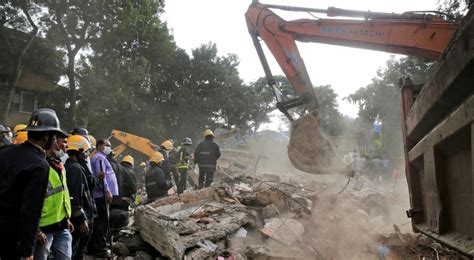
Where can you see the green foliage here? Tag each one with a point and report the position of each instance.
(455, 9)
(330, 119)
(382, 98)
(136, 79)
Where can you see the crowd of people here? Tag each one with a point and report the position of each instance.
(62, 194)
(379, 171)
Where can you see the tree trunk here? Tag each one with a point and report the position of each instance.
(9, 91)
(71, 74)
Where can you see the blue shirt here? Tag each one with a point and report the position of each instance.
(110, 181)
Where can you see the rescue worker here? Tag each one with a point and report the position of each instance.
(55, 226)
(87, 163)
(129, 185)
(103, 171)
(82, 203)
(156, 184)
(165, 149)
(127, 189)
(141, 174)
(19, 133)
(173, 160)
(4, 136)
(184, 155)
(205, 156)
(24, 173)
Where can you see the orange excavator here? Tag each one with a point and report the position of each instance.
(421, 34)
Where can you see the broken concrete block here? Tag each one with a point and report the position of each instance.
(270, 211)
(284, 230)
(171, 232)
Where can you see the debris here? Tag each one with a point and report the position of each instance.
(241, 233)
(206, 220)
(157, 221)
(207, 246)
(120, 249)
(141, 255)
(198, 253)
(253, 216)
(270, 211)
(383, 251)
(285, 230)
(242, 187)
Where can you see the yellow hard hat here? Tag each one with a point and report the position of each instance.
(168, 145)
(208, 132)
(20, 137)
(129, 159)
(143, 164)
(157, 157)
(78, 143)
(18, 128)
(92, 140)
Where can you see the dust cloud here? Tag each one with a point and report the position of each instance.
(347, 218)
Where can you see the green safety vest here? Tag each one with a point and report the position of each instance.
(57, 203)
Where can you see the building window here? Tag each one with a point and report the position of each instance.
(28, 102)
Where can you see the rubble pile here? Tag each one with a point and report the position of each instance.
(248, 215)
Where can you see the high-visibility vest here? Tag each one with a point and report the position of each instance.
(57, 203)
(183, 162)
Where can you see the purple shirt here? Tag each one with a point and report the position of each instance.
(110, 182)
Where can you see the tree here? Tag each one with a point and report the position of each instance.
(72, 25)
(331, 120)
(116, 81)
(455, 9)
(381, 98)
(16, 48)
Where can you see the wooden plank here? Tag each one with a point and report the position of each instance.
(449, 83)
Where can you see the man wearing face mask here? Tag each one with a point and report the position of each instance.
(24, 173)
(83, 206)
(102, 170)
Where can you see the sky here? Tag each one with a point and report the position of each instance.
(196, 22)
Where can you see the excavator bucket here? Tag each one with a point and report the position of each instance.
(309, 151)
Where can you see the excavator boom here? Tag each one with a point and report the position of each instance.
(411, 33)
(137, 143)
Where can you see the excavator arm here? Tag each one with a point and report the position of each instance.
(416, 34)
(137, 143)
